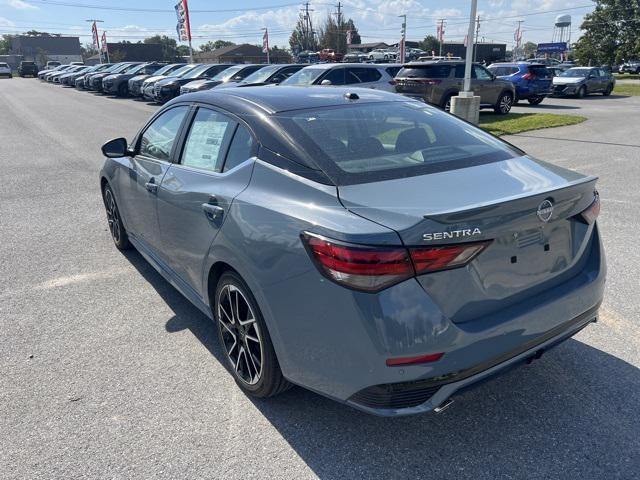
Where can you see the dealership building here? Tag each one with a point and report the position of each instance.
(44, 48)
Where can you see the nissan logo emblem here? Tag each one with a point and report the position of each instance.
(545, 210)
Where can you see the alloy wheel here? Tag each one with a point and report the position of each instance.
(505, 103)
(112, 215)
(240, 334)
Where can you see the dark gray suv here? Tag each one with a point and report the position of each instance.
(436, 82)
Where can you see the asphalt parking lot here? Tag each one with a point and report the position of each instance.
(106, 371)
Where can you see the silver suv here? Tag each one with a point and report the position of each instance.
(436, 82)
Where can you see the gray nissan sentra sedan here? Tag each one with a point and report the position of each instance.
(360, 244)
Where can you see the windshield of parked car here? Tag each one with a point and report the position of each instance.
(395, 139)
(118, 68)
(262, 75)
(136, 68)
(306, 76)
(131, 68)
(575, 72)
(167, 68)
(184, 70)
(196, 72)
(227, 73)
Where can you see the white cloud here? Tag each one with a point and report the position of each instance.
(20, 5)
(5, 22)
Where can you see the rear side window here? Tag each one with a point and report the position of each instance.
(370, 142)
(242, 148)
(158, 139)
(206, 144)
(426, 71)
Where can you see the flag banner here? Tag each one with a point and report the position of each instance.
(94, 34)
(183, 28)
(466, 38)
(440, 33)
(104, 42)
(265, 41)
(348, 37)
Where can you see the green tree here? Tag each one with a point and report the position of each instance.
(333, 33)
(302, 38)
(611, 33)
(88, 50)
(529, 49)
(355, 35)
(169, 46)
(429, 44)
(5, 44)
(210, 46)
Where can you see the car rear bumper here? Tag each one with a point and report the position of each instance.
(336, 342)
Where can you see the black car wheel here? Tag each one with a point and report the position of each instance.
(582, 91)
(123, 90)
(505, 102)
(446, 103)
(116, 227)
(245, 340)
(535, 100)
(608, 90)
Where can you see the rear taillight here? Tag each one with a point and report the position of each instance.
(392, 82)
(528, 76)
(592, 211)
(372, 268)
(432, 259)
(430, 82)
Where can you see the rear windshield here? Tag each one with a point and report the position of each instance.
(426, 71)
(370, 142)
(540, 71)
(393, 71)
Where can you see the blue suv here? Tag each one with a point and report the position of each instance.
(532, 81)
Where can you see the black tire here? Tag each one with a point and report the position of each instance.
(116, 227)
(123, 90)
(608, 90)
(446, 102)
(582, 92)
(269, 380)
(504, 104)
(535, 100)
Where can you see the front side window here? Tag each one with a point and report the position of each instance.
(481, 73)
(359, 143)
(208, 136)
(335, 76)
(158, 139)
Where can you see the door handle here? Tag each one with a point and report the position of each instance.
(151, 186)
(212, 211)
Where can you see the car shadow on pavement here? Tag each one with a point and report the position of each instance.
(545, 106)
(571, 414)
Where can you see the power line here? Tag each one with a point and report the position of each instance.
(153, 10)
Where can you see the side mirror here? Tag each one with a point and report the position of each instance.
(325, 82)
(116, 148)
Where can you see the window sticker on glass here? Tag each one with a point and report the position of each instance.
(206, 137)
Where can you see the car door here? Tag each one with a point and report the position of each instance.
(593, 81)
(483, 84)
(196, 192)
(155, 147)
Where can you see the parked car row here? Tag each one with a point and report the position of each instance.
(436, 82)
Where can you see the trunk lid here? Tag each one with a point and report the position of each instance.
(503, 202)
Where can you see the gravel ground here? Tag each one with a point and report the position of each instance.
(107, 372)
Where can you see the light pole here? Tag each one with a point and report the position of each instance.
(466, 105)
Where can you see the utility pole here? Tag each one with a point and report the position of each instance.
(441, 35)
(403, 39)
(307, 28)
(475, 42)
(339, 17)
(94, 34)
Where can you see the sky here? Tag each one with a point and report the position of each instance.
(241, 21)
